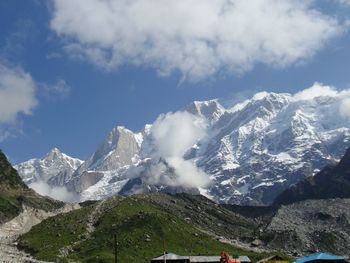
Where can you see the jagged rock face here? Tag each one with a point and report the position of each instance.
(56, 168)
(252, 152)
(14, 193)
(119, 149)
(210, 110)
(85, 180)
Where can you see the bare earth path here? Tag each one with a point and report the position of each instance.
(10, 231)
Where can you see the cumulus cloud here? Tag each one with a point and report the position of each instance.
(173, 134)
(316, 90)
(17, 93)
(58, 193)
(197, 38)
(344, 107)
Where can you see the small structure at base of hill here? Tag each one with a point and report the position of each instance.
(273, 259)
(322, 258)
(173, 258)
(170, 257)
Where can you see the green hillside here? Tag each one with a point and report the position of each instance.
(145, 226)
(14, 193)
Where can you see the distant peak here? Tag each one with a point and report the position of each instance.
(210, 109)
(260, 95)
(270, 95)
(55, 150)
(54, 153)
(121, 129)
(205, 103)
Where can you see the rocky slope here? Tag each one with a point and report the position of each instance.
(310, 226)
(332, 182)
(14, 194)
(252, 150)
(20, 209)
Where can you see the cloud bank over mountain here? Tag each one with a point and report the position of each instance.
(173, 134)
(196, 38)
(58, 193)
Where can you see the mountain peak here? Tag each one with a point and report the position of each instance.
(52, 155)
(54, 152)
(55, 163)
(210, 109)
(271, 96)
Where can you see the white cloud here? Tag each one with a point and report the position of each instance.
(20, 94)
(17, 93)
(316, 90)
(344, 107)
(58, 193)
(173, 134)
(189, 174)
(197, 38)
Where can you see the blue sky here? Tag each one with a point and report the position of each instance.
(77, 98)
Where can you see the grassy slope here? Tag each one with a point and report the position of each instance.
(144, 225)
(14, 193)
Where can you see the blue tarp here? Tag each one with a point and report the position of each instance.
(319, 256)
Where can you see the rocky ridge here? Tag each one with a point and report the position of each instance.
(252, 151)
(310, 226)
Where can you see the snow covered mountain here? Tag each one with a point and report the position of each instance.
(269, 142)
(251, 151)
(56, 168)
(120, 149)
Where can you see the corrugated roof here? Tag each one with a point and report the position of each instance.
(244, 259)
(170, 256)
(204, 258)
(320, 256)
